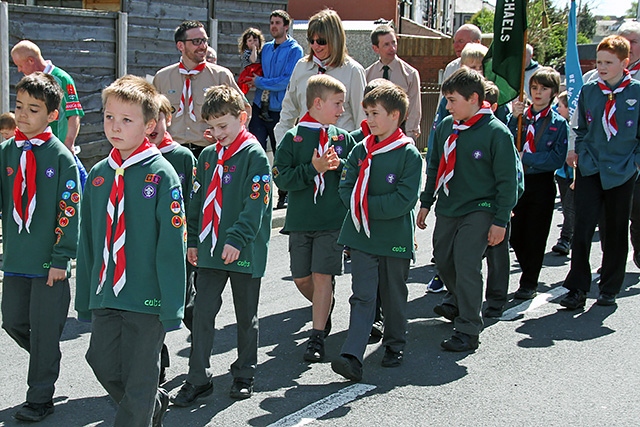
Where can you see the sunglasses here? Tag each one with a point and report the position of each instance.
(197, 42)
(319, 42)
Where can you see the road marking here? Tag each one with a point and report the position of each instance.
(318, 409)
(532, 304)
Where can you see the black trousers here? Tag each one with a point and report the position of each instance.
(530, 225)
(613, 207)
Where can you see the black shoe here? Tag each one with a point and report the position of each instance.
(523, 293)
(492, 313)
(315, 347)
(606, 299)
(282, 199)
(392, 358)
(574, 300)
(189, 393)
(347, 366)
(562, 247)
(161, 408)
(34, 412)
(460, 341)
(377, 330)
(242, 388)
(447, 311)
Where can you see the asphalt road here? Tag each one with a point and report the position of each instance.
(544, 366)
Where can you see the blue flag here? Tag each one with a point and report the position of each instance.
(572, 64)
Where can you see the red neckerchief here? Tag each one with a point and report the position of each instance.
(609, 117)
(448, 160)
(323, 145)
(26, 177)
(366, 130)
(187, 97)
(167, 144)
(359, 203)
(115, 213)
(212, 206)
(529, 144)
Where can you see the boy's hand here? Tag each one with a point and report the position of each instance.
(496, 235)
(230, 254)
(328, 161)
(572, 158)
(192, 256)
(518, 108)
(56, 275)
(420, 219)
(207, 135)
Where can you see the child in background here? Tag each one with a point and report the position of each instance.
(7, 125)
(307, 164)
(564, 179)
(250, 46)
(380, 183)
(544, 149)
(131, 276)
(229, 228)
(39, 239)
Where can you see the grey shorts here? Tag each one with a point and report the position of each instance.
(315, 252)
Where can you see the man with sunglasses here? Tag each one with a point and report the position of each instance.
(185, 82)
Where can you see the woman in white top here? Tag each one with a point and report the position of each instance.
(327, 54)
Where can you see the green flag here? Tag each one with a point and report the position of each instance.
(503, 62)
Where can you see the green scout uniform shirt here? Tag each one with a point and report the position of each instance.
(184, 163)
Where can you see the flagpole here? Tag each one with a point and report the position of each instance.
(521, 96)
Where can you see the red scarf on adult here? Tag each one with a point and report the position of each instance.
(187, 96)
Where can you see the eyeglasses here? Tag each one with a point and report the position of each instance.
(197, 42)
(319, 42)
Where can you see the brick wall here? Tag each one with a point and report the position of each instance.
(427, 54)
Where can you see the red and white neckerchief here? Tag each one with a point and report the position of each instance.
(366, 130)
(167, 144)
(529, 144)
(322, 68)
(212, 207)
(323, 145)
(359, 204)
(634, 70)
(115, 214)
(448, 159)
(187, 96)
(26, 177)
(609, 117)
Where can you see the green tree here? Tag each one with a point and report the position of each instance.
(587, 23)
(632, 11)
(483, 20)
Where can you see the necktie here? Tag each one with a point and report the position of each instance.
(385, 72)
(187, 96)
(115, 215)
(323, 145)
(359, 204)
(448, 159)
(26, 177)
(212, 207)
(609, 117)
(321, 66)
(529, 144)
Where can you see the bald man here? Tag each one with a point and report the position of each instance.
(28, 58)
(468, 33)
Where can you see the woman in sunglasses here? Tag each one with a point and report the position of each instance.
(327, 54)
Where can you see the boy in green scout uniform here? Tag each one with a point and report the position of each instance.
(39, 239)
(307, 164)
(380, 183)
(229, 228)
(131, 276)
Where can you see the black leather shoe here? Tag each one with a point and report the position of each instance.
(347, 366)
(189, 393)
(34, 412)
(563, 247)
(377, 330)
(606, 299)
(523, 293)
(574, 300)
(392, 358)
(492, 313)
(162, 403)
(242, 388)
(447, 311)
(315, 347)
(460, 341)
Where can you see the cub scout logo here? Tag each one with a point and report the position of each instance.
(50, 172)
